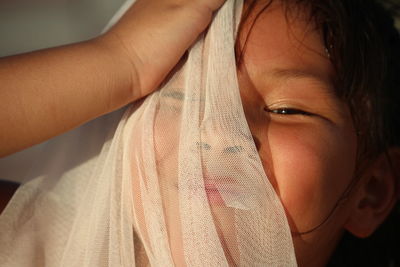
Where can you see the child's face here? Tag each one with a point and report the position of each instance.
(309, 158)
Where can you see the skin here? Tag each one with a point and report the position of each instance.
(309, 158)
(310, 155)
(52, 91)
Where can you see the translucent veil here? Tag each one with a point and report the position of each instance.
(177, 181)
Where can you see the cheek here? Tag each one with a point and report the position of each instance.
(311, 167)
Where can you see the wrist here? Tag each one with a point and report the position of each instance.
(121, 69)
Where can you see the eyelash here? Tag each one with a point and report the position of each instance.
(288, 111)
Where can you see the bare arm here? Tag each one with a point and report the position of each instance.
(48, 92)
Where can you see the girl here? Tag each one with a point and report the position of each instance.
(318, 87)
(327, 82)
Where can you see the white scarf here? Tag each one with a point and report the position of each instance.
(177, 181)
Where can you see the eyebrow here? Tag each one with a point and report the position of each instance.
(281, 73)
(173, 94)
(297, 74)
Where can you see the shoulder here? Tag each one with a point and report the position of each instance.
(7, 190)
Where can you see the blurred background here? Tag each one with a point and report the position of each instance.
(27, 25)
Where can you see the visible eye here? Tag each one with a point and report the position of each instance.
(288, 111)
(201, 145)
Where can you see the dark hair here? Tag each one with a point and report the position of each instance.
(364, 48)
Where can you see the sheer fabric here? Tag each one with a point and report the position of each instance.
(177, 181)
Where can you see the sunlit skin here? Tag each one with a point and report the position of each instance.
(309, 156)
(305, 138)
(303, 132)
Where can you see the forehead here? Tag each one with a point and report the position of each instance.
(280, 40)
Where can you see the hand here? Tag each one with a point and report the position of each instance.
(154, 34)
(48, 92)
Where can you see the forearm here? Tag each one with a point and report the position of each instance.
(48, 92)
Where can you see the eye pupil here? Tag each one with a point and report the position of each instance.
(288, 111)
